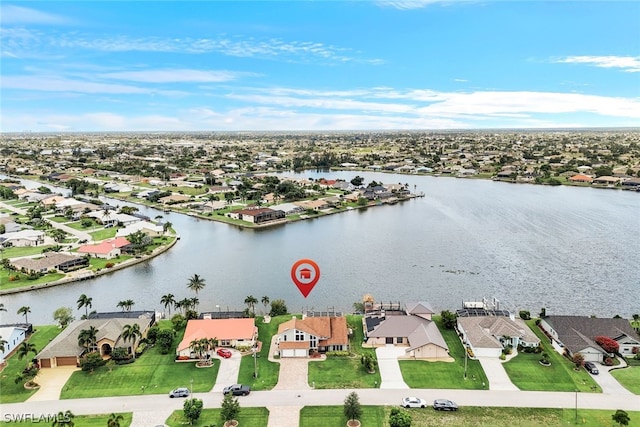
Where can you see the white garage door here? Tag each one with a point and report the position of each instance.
(294, 352)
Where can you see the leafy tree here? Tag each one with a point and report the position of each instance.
(358, 307)
(362, 201)
(131, 333)
(230, 407)
(621, 417)
(91, 361)
(192, 409)
(64, 419)
(251, 302)
(578, 360)
(448, 319)
(114, 420)
(86, 302)
(63, 316)
(196, 283)
(352, 409)
(398, 418)
(368, 361)
(24, 310)
(357, 181)
(178, 321)
(164, 340)
(525, 314)
(278, 308)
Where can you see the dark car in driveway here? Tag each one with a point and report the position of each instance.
(591, 368)
(444, 405)
(237, 390)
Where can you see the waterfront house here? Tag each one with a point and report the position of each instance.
(256, 215)
(581, 178)
(300, 337)
(14, 335)
(23, 238)
(487, 336)
(229, 333)
(146, 227)
(576, 334)
(64, 349)
(107, 249)
(50, 261)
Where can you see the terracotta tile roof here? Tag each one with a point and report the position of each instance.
(222, 329)
(104, 247)
(330, 330)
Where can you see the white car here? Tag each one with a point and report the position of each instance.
(414, 402)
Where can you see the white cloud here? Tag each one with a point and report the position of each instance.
(174, 76)
(415, 4)
(629, 64)
(23, 15)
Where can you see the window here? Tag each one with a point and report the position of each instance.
(299, 336)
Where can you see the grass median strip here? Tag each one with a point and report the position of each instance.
(30, 420)
(248, 417)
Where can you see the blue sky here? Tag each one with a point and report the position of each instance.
(323, 65)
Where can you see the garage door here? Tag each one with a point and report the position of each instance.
(300, 352)
(291, 352)
(45, 363)
(67, 361)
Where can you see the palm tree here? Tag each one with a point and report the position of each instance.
(126, 304)
(265, 301)
(196, 283)
(25, 310)
(87, 338)
(196, 347)
(85, 301)
(184, 304)
(26, 348)
(114, 420)
(166, 226)
(251, 302)
(168, 300)
(131, 333)
(193, 303)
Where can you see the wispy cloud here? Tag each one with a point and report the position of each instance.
(175, 76)
(20, 42)
(629, 64)
(415, 4)
(12, 15)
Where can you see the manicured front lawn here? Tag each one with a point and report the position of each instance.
(345, 372)
(468, 416)
(79, 420)
(313, 416)
(248, 417)
(152, 373)
(424, 374)
(101, 263)
(629, 378)
(527, 374)
(10, 392)
(267, 371)
(16, 252)
(105, 233)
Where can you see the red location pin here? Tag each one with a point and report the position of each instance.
(305, 273)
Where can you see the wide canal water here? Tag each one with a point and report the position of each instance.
(571, 250)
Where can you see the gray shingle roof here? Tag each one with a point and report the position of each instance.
(419, 331)
(578, 332)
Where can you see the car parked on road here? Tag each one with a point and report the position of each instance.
(237, 390)
(223, 352)
(591, 368)
(414, 402)
(179, 392)
(444, 405)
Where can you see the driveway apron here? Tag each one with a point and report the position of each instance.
(389, 367)
(294, 374)
(52, 381)
(497, 376)
(228, 371)
(608, 383)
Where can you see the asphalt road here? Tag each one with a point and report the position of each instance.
(297, 398)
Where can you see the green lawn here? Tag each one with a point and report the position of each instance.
(58, 219)
(424, 374)
(527, 374)
(267, 371)
(629, 378)
(10, 392)
(16, 252)
(248, 417)
(345, 372)
(378, 416)
(79, 420)
(100, 263)
(152, 373)
(104, 233)
(22, 280)
(77, 225)
(332, 416)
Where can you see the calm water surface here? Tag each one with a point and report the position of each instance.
(571, 250)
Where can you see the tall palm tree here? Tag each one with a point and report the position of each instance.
(168, 300)
(26, 348)
(131, 333)
(185, 304)
(126, 304)
(265, 301)
(86, 302)
(196, 347)
(193, 303)
(196, 284)
(114, 420)
(25, 310)
(251, 302)
(87, 338)
(166, 226)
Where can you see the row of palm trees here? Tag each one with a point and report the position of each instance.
(88, 337)
(203, 346)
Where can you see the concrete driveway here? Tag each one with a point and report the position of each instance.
(389, 367)
(608, 383)
(497, 376)
(228, 371)
(52, 381)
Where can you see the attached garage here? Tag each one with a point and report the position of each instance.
(45, 363)
(294, 349)
(67, 361)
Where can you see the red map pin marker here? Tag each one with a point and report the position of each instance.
(305, 273)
